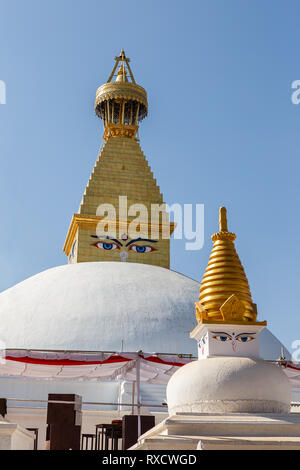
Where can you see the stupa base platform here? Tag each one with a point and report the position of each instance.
(186, 431)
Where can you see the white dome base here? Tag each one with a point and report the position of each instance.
(229, 385)
(232, 406)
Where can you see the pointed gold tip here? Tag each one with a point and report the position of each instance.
(223, 220)
(225, 295)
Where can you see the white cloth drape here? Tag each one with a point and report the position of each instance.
(103, 366)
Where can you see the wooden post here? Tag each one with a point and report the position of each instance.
(138, 392)
(3, 407)
(132, 398)
(64, 422)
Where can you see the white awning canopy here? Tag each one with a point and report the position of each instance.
(104, 366)
(84, 366)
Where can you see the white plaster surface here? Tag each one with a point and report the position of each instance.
(219, 424)
(14, 437)
(102, 305)
(210, 344)
(97, 306)
(229, 385)
(191, 431)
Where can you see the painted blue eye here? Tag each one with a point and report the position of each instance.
(141, 249)
(107, 246)
(245, 339)
(222, 338)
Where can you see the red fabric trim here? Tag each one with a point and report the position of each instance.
(161, 361)
(111, 360)
(70, 362)
(289, 366)
(65, 362)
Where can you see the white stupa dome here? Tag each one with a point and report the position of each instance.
(229, 385)
(101, 306)
(106, 306)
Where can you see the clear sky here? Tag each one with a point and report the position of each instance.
(221, 129)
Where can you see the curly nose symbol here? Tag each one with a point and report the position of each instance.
(124, 255)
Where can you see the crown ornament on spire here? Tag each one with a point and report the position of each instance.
(121, 104)
(225, 295)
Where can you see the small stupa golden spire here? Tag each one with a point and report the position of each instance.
(122, 74)
(225, 295)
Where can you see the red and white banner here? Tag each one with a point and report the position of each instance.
(102, 366)
(154, 368)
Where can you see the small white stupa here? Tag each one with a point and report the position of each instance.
(230, 398)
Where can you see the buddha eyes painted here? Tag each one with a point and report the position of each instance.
(241, 337)
(113, 244)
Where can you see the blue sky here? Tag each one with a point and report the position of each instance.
(221, 128)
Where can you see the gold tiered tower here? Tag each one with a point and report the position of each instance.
(121, 178)
(225, 295)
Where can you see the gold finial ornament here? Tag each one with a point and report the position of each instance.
(223, 219)
(225, 295)
(121, 104)
(121, 77)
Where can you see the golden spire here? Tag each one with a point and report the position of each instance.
(121, 104)
(225, 295)
(121, 184)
